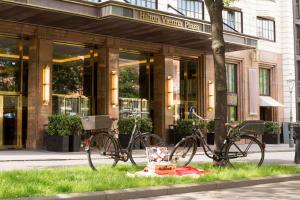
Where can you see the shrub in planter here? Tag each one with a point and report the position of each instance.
(271, 132)
(60, 127)
(210, 127)
(184, 127)
(126, 124)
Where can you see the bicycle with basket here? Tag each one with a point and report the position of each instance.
(103, 146)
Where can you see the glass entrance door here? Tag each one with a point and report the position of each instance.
(10, 122)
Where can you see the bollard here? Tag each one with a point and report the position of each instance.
(297, 141)
(297, 152)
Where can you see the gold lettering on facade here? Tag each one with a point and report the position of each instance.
(192, 26)
(172, 22)
(149, 17)
(159, 19)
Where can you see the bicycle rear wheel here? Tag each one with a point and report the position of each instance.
(183, 152)
(137, 151)
(103, 149)
(245, 150)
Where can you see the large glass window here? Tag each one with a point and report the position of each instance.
(231, 73)
(264, 82)
(10, 64)
(185, 87)
(145, 3)
(72, 79)
(191, 8)
(266, 28)
(135, 81)
(231, 77)
(232, 20)
(232, 113)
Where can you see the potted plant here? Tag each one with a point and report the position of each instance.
(210, 127)
(126, 125)
(271, 133)
(59, 130)
(75, 127)
(184, 127)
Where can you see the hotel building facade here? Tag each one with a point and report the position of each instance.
(104, 57)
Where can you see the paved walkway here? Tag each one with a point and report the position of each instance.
(284, 190)
(25, 159)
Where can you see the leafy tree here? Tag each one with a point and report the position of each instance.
(129, 82)
(215, 8)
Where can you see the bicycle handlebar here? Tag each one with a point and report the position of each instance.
(193, 113)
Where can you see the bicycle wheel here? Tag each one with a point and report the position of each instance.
(137, 151)
(183, 152)
(103, 149)
(245, 150)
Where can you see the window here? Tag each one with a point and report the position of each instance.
(135, 81)
(191, 8)
(72, 80)
(144, 3)
(232, 20)
(264, 82)
(185, 87)
(231, 73)
(232, 113)
(231, 77)
(266, 29)
(297, 9)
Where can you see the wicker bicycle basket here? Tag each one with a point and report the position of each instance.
(98, 122)
(252, 127)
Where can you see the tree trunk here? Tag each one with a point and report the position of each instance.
(215, 8)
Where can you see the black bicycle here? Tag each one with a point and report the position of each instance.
(103, 141)
(238, 147)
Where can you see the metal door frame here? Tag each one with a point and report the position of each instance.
(19, 120)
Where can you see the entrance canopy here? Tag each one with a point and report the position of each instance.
(267, 101)
(121, 20)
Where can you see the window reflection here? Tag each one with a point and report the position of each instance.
(185, 87)
(135, 81)
(10, 64)
(72, 79)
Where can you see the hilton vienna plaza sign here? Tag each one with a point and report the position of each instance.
(169, 21)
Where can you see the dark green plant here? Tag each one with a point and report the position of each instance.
(126, 124)
(146, 125)
(185, 126)
(210, 126)
(272, 127)
(64, 125)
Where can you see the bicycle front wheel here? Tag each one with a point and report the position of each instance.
(245, 150)
(137, 151)
(103, 149)
(183, 152)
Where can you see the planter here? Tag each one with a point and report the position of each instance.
(74, 143)
(57, 143)
(124, 140)
(210, 138)
(174, 137)
(271, 138)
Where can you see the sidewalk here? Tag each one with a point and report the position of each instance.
(27, 159)
(42, 155)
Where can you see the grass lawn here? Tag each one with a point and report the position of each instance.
(46, 182)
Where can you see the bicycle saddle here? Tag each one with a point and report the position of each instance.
(231, 125)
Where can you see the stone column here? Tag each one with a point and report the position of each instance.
(108, 61)
(40, 52)
(163, 117)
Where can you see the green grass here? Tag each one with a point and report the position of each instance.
(46, 182)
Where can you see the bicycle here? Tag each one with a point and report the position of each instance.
(103, 141)
(238, 147)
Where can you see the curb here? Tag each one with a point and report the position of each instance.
(136, 193)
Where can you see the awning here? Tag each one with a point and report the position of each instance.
(267, 101)
(122, 20)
